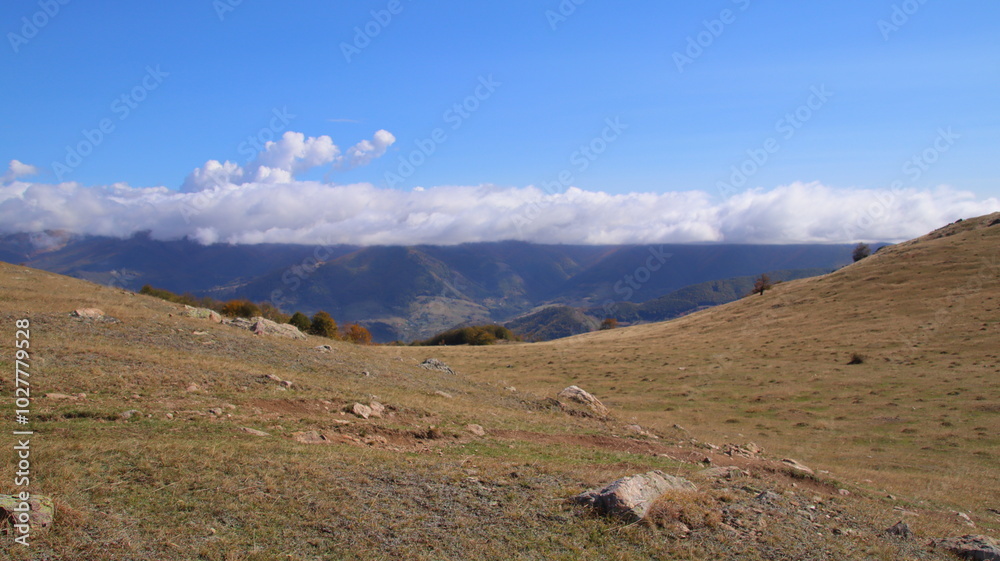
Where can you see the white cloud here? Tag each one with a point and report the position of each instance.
(365, 151)
(16, 169)
(235, 210)
(282, 159)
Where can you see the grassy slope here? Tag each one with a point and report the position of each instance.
(194, 486)
(920, 418)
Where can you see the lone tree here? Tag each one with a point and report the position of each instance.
(861, 251)
(762, 283)
(323, 325)
(240, 309)
(609, 323)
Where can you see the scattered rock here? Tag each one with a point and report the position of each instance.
(965, 519)
(751, 450)
(578, 395)
(192, 388)
(217, 411)
(629, 498)
(843, 492)
(39, 507)
(640, 431)
(724, 472)
(254, 432)
(978, 548)
(324, 348)
(445, 395)
(476, 430)
(60, 396)
(129, 414)
(435, 364)
(88, 313)
(262, 326)
(202, 313)
(286, 383)
(377, 409)
(901, 529)
(361, 410)
(511, 389)
(273, 378)
(767, 497)
(170, 416)
(795, 465)
(310, 437)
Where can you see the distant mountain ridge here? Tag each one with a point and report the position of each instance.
(407, 293)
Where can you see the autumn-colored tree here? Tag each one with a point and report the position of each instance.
(240, 309)
(609, 323)
(358, 334)
(762, 283)
(323, 325)
(273, 313)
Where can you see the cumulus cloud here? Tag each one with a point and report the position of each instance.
(231, 207)
(16, 169)
(282, 159)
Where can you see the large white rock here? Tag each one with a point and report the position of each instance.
(629, 498)
(584, 397)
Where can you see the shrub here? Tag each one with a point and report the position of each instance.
(609, 323)
(301, 321)
(475, 335)
(358, 334)
(323, 325)
(857, 359)
(861, 251)
(240, 309)
(273, 313)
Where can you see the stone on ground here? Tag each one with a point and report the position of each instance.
(630, 498)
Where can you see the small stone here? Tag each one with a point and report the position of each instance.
(310, 437)
(136, 396)
(324, 348)
(129, 414)
(477, 430)
(59, 396)
(901, 529)
(361, 410)
(767, 497)
(192, 388)
(795, 465)
(170, 416)
(435, 364)
(445, 395)
(80, 395)
(286, 383)
(511, 389)
(377, 409)
(217, 411)
(273, 377)
(88, 313)
(843, 492)
(254, 432)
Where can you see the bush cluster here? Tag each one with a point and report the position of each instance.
(474, 335)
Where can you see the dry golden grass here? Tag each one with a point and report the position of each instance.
(175, 481)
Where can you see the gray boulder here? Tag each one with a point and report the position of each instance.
(630, 498)
(202, 313)
(435, 364)
(261, 326)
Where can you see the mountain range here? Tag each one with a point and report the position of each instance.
(408, 293)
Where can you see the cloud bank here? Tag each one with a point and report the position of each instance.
(263, 202)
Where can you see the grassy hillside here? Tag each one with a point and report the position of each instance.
(918, 419)
(140, 427)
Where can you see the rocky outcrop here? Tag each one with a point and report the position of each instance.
(574, 393)
(202, 313)
(261, 326)
(629, 498)
(977, 548)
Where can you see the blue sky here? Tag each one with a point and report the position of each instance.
(898, 74)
